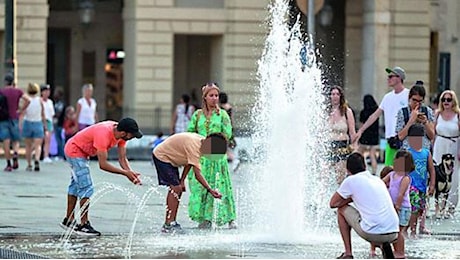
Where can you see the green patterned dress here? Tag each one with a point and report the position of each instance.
(202, 206)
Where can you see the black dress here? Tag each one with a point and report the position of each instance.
(371, 135)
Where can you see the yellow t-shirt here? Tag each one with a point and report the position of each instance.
(180, 150)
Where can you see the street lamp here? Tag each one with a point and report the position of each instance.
(86, 11)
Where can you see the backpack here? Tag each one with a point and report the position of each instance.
(4, 114)
(406, 112)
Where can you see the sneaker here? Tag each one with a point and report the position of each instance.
(29, 168)
(37, 166)
(68, 225)
(86, 230)
(15, 163)
(8, 168)
(172, 228)
(47, 160)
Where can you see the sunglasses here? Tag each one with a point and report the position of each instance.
(417, 100)
(446, 99)
(391, 76)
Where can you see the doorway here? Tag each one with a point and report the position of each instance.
(58, 60)
(197, 60)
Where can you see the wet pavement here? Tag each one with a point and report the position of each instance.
(129, 217)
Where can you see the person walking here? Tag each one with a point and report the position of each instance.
(183, 149)
(86, 108)
(389, 106)
(422, 178)
(202, 209)
(95, 140)
(33, 125)
(181, 116)
(415, 113)
(373, 216)
(9, 128)
(58, 121)
(370, 139)
(447, 131)
(48, 107)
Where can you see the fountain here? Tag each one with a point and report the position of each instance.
(282, 195)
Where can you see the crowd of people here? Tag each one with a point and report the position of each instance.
(418, 139)
(385, 208)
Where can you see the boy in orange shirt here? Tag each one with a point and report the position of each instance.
(95, 140)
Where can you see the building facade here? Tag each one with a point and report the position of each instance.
(142, 55)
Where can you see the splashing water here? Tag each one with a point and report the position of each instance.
(290, 193)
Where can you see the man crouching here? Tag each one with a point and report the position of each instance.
(372, 216)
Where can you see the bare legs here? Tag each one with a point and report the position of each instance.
(172, 203)
(345, 230)
(33, 145)
(84, 208)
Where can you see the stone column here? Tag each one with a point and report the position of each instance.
(375, 47)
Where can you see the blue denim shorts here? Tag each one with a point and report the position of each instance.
(9, 129)
(166, 172)
(81, 184)
(404, 216)
(32, 129)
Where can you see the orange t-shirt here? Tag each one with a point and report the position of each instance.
(98, 137)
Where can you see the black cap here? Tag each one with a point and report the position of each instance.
(129, 125)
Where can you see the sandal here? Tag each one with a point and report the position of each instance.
(344, 256)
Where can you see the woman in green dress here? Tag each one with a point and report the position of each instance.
(202, 207)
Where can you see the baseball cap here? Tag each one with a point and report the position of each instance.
(129, 125)
(397, 71)
(44, 86)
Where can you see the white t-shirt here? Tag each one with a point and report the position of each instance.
(48, 105)
(373, 202)
(391, 104)
(88, 112)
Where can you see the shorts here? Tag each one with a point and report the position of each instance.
(81, 184)
(389, 155)
(49, 125)
(404, 216)
(353, 219)
(9, 129)
(417, 199)
(340, 150)
(31, 129)
(167, 174)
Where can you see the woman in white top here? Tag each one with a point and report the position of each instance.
(446, 141)
(182, 115)
(86, 108)
(49, 114)
(33, 126)
(342, 124)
